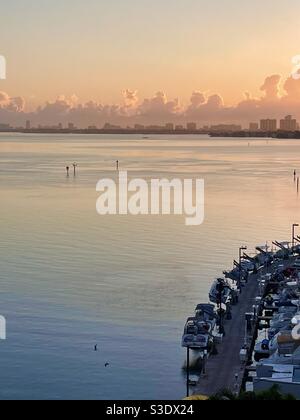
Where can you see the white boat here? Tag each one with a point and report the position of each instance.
(198, 330)
(285, 377)
(220, 292)
(265, 348)
(197, 334)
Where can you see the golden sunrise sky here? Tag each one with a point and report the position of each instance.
(96, 49)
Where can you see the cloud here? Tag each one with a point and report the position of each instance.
(16, 104)
(159, 107)
(271, 87)
(130, 97)
(202, 108)
(157, 103)
(279, 97)
(215, 102)
(197, 99)
(11, 104)
(4, 98)
(292, 89)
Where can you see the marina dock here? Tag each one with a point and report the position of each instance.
(221, 370)
(226, 370)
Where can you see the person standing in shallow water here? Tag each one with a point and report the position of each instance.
(68, 170)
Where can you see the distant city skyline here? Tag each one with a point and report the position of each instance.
(270, 125)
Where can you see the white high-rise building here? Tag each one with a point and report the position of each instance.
(269, 125)
(288, 124)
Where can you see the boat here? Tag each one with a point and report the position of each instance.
(197, 334)
(285, 377)
(233, 275)
(284, 250)
(241, 271)
(206, 312)
(198, 330)
(220, 292)
(264, 257)
(265, 348)
(280, 358)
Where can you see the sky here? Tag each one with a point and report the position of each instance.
(119, 53)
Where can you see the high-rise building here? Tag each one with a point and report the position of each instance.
(288, 124)
(110, 127)
(138, 127)
(253, 127)
(170, 127)
(269, 125)
(5, 126)
(191, 126)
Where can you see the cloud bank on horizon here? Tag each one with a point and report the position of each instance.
(279, 97)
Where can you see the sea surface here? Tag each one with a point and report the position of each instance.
(71, 279)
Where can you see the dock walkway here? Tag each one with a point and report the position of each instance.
(221, 370)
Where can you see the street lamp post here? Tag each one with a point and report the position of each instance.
(242, 248)
(293, 233)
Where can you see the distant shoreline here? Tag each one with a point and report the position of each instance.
(146, 133)
(102, 131)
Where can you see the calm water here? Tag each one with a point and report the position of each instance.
(70, 278)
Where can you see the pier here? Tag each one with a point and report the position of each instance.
(226, 370)
(221, 370)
